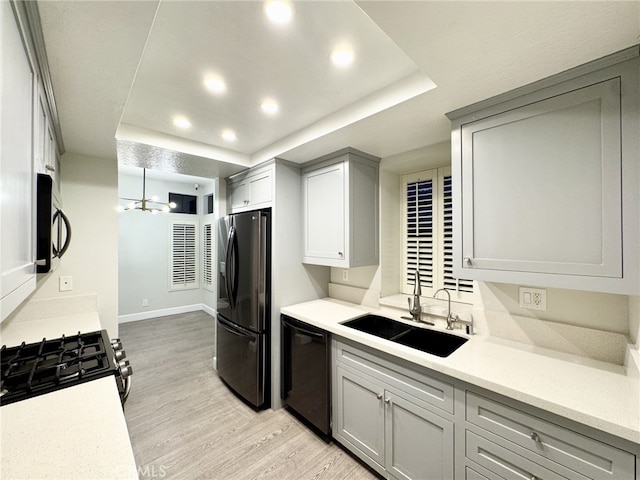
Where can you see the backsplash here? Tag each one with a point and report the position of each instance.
(601, 345)
(43, 308)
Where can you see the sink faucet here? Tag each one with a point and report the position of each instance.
(449, 320)
(416, 310)
(452, 317)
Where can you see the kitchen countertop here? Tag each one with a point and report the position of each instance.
(598, 394)
(77, 432)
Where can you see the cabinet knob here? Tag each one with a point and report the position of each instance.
(535, 437)
(467, 260)
(387, 401)
(51, 168)
(379, 396)
(340, 254)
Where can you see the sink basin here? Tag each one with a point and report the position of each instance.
(430, 341)
(379, 326)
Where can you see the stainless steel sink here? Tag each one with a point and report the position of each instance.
(430, 341)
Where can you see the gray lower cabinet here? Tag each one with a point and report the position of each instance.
(396, 433)
(515, 444)
(409, 422)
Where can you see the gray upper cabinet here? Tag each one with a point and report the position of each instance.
(547, 181)
(251, 189)
(17, 252)
(340, 205)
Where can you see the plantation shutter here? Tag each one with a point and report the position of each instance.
(428, 240)
(419, 230)
(183, 262)
(449, 281)
(207, 247)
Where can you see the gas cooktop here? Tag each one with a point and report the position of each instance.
(33, 369)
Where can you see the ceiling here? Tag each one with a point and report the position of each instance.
(125, 69)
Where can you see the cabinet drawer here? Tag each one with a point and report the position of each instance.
(471, 474)
(426, 388)
(573, 450)
(508, 464)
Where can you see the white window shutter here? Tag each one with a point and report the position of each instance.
(183, 250)
(448, 280)
(428, 234)
(420, 221)
(207, 254)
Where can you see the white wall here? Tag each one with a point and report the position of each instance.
(143, 260)
(89, 190)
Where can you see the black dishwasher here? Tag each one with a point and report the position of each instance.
(305, 372)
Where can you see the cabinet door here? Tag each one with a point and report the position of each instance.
(419, 443)
(239, 195)
(41, 135)
(51, 155)
(360, 414)
(17, 254)
(324, 214)
(260, 189)
(541, 186)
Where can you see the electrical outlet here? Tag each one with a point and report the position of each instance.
(533, 298)
(145, 302)
(65, 283)
(345, 275)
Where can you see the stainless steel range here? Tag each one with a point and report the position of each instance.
(33, 369)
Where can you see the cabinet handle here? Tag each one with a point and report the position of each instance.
(535, 437)
(51, 168)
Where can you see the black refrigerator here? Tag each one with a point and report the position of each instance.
(244, 306)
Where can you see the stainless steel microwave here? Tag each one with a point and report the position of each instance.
(53, 230)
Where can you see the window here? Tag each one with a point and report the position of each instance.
(208, 201)
(428, 234)
(184, 203)
(207, 252)
(183, 274)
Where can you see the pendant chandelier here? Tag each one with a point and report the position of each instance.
(151, 204)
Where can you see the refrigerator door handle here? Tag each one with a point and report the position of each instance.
(232, 267)
(237, 331)
(262, 279)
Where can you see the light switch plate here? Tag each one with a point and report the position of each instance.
(532, 298)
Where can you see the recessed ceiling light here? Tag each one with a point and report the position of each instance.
(229, 135)
(342, 57)
(278, 11)
(181, 122)
(214, 84)
(269, 107)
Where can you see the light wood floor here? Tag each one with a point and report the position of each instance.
(185, 423)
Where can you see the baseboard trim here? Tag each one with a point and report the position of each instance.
(211, 311)
(134, 317)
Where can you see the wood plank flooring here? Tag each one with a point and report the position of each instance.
(184, 422)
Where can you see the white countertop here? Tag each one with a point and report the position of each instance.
(30, 331)
(77, 432)
(594, 393)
